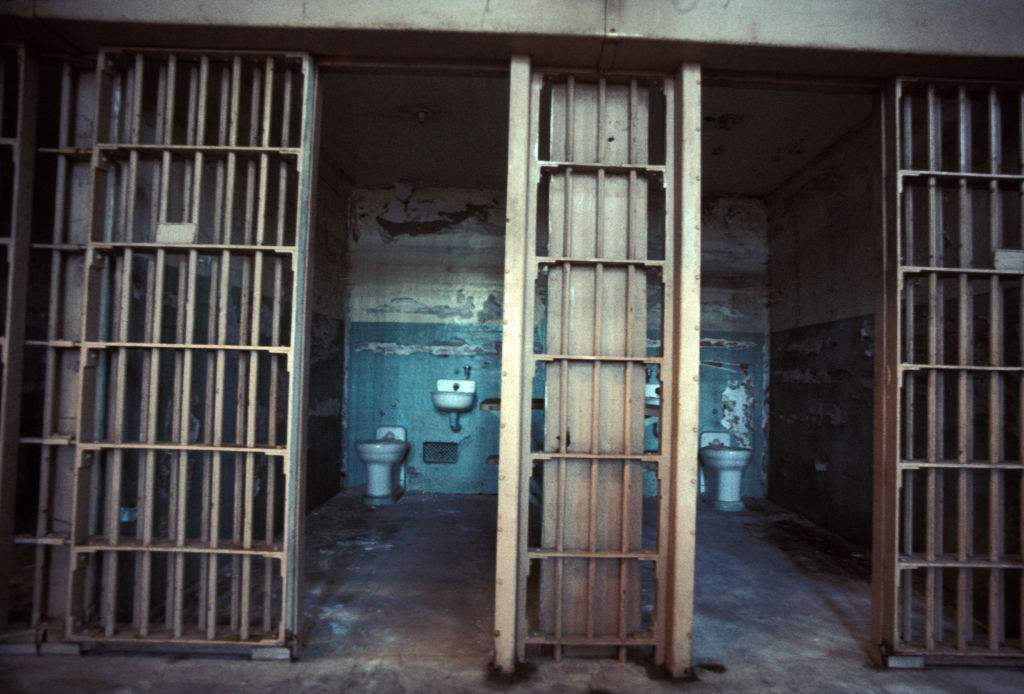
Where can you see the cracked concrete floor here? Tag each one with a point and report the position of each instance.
(399, 599)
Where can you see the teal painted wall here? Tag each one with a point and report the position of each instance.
(393, 368)
(424, 301)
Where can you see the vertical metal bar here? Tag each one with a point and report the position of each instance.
(560, 561)
(904, 102)
(933, 509)
(908, 551)
(595, 395)
(624, 563)
(633, 134)
(1020, 347)
(147, 519)
(599, 130)
(997, 401)
(184, 437)
(115, 459)
(570, 119)
(233, 133)
(564, 318)
(965, 409)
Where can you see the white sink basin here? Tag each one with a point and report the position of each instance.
(454, 396)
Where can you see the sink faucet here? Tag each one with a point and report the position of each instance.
(467, 368)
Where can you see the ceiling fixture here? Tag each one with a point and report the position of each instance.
(421, 114)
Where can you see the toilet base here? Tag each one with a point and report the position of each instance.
(728, 505)
(383, 499)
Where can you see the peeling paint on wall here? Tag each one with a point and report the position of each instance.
(733, 397)
(461, 307)
(466, 223)
(727, 344)
(492, 309)
(738, 411)
(437, 350)
(738, 367)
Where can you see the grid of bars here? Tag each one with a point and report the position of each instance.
(594, 579)
(958, 573)
(164, 452)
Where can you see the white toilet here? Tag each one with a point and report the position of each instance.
(384, 472)
(726, 464)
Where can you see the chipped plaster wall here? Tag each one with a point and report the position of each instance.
(822, 232)
(734, 328)
(424, 301)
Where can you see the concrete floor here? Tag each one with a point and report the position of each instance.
(400, 600)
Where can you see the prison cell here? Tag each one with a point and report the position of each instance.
(953, 563)
(594, 571)
(164, 446)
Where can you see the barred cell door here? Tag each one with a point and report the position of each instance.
(168, 456)
(597, 489)
(948, 568)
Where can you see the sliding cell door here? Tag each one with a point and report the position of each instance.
(169, 356)
(591, 384)
(949, 475)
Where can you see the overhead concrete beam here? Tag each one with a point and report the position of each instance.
(845, 38)
(980, 28)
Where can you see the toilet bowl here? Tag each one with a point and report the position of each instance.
(726, 465)
(383, 457)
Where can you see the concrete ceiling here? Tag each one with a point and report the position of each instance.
(452, 131)
(755, 139)
(432, 130)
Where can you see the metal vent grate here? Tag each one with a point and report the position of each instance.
(440, 452)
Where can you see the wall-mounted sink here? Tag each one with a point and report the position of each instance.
(454, 396)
